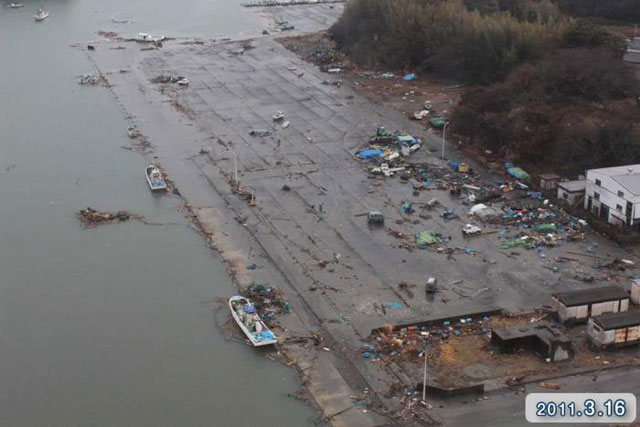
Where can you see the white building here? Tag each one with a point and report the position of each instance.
(613, 194)
(572, 192)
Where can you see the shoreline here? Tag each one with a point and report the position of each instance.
(322, 260)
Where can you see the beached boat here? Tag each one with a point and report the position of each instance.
(154, 178)
(245, 315)
(41, 15)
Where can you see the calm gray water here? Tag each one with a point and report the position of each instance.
(112, 326)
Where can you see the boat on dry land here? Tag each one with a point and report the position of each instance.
(245, 315)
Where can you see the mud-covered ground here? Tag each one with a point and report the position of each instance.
(306, 231)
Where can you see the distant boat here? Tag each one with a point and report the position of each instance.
(245, 315)
(16, 5)
(41, 15)
(154, 178)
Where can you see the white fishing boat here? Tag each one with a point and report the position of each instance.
(154, 178)
(245, 315)
(16, 5)
(279, 115)
(41, 15)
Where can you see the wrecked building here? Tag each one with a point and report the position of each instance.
(572, 192)
(543, 339)
(614, 329)
(579, 305)
(549, 181)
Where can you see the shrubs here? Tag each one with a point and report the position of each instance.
(571, 110)
(450, 37)
(624, 10)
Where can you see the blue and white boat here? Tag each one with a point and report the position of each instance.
(154, 178)
(245, 315)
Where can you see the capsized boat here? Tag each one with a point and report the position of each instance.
(245, 315)
(41, 15)
(154, 178)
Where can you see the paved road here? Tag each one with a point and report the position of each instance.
(332, 263)
(507, 408)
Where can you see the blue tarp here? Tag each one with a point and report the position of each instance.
(410, 77)
(516, 172)
(407, 139)
(263, 336)
(369, 154)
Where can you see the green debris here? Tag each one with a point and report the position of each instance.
(546, 228)
(427, 238)
(518, 242)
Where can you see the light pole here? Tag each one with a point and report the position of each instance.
(444, 130)
(235, 168)
(424, 378)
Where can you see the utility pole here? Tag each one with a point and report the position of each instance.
(235, 168)
(424, 378)
(444, 130)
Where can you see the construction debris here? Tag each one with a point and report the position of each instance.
(91, 218)
(268, 300)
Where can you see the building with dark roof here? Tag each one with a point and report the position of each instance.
(543, 338)
(579, 305)
(615, 329)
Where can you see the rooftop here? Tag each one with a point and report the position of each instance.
(591, 296)
(573, 186)
(628, 176)
(618, 320)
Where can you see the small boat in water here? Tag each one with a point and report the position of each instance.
(41, 15)
(16, 5)
(245, 315)
(154, 178)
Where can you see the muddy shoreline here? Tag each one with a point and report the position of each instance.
(334, 270)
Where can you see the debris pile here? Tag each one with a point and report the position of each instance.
(91, 79)
(168, 78)
(385, 146)
(268, 300)
(92, 218)
(408, 343)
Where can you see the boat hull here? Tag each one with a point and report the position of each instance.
(266, 337)
(157, 184)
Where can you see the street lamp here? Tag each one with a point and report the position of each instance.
(444, 129)
(235, 168)
(424, 378)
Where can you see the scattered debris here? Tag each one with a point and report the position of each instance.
(549, 385)
(268, 300)
(260, 132)
(91, 218)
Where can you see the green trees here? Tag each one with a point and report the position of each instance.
(476, 41)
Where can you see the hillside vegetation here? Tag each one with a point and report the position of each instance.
(445, 36)
(547, 90)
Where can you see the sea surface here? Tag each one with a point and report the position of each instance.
(117, 325)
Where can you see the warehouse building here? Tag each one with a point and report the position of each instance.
(613, 194)
(614, 329)
(579, 305)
